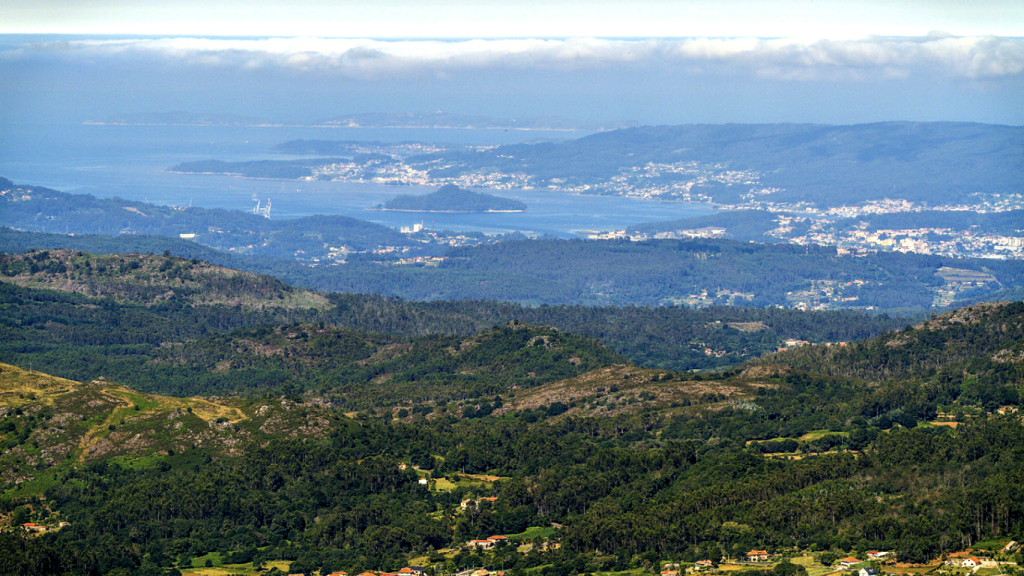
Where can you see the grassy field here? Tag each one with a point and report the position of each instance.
(727, 567)
(228, 569)
(465, 481)
(919, 569)
(816, 434)
(19, 386)
(109, 414)
(813, 567)
(991, 545)
(534, 532)
(634, 572)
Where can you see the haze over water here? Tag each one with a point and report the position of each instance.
(131, 162)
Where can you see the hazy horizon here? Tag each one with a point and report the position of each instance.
(60, 79)
(650, 62)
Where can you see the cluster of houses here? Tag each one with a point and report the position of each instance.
(476, 502)
(966, 562)
(479, 572)
(407, 571)
(849, 562)
(417, 571)
(32, 527)
(968, 559)
(673, 569)
(486, 544)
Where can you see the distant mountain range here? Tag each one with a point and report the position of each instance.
(435, 120)
(797, 168)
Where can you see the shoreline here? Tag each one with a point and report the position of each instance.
(446, 211)
(356, 126)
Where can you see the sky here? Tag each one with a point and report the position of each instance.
(834, 19)
(648, 61)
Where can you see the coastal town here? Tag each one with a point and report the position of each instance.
(802, 223)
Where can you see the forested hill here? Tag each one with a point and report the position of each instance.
(974, 350)
(147, 280)
(361, 370)
(451, 198)
(245, 233)
(154, 290)
(690, 272)
(636, 467)
(934, 163)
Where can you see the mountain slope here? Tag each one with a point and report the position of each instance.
(48, 421)
(42, 209)
(147, 279)
(936, 163)
(966, 363)
(982, 334)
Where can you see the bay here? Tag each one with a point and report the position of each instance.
(131, 162)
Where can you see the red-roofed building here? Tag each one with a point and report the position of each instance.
(758, 556)
(848, 562)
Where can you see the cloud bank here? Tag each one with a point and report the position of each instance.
(975, 57)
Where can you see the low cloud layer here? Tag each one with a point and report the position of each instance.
(979, 57)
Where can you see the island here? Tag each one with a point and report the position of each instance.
(451, 198)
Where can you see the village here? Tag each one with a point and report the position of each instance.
(1000, 559)
(683, 181)
(498, 554)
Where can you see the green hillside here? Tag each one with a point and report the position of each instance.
(364, 370)
(634, 466)
(969, 361)
(147, 280)
(245, 233)
(663, 337)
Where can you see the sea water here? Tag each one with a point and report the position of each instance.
(131, 162)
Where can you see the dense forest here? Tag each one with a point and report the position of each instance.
(607, 475)
(126, 308)
(663, 272)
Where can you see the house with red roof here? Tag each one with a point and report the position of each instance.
(848, 562)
